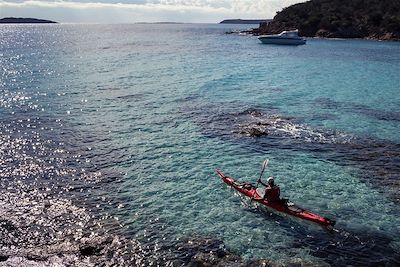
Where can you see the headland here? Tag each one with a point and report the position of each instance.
(12, 20)
(366, 19)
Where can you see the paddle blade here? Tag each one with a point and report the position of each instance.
(265, 163)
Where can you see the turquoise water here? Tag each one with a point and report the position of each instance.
(153, 110)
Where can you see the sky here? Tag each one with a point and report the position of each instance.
(131, 11)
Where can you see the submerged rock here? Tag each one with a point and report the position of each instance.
(208, 252)
(230, 260)
(41, 230)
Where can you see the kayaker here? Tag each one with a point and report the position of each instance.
(272, 191)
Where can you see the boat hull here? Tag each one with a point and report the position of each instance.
(287, 208)
(281, 41)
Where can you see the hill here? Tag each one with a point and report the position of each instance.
(24, 20)
(374, 19)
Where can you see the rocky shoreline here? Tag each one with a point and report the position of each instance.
(346, 33)
(38, 230)
(264, 29)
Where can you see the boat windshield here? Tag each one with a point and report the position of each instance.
(290, 33)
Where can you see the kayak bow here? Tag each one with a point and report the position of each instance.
(283, 206)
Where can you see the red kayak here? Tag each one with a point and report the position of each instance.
(283, 206)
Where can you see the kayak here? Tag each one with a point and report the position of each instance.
(283, 206)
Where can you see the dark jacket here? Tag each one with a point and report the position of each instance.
(272, 193)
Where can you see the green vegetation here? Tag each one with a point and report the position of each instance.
(376, 19)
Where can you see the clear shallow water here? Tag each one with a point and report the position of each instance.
(132, 120)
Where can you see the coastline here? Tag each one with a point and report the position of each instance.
(257, 32)
(331, 19)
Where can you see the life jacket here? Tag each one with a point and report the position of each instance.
(272, 193)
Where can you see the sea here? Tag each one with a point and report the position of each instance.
(110, 136)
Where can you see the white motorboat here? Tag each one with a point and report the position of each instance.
(284, 38)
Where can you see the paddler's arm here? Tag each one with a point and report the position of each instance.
(259, 180)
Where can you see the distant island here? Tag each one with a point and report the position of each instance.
(369, 19)
(24, 20)
(244, 21)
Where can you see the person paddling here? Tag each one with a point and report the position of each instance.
(272, 191)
